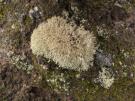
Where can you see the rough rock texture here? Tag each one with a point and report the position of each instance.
(25, 77)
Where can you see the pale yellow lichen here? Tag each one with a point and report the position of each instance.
(70, 46)
(106, 79)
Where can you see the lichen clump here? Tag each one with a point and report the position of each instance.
(106, 79)
(65, 43)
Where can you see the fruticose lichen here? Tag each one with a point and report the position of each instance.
(70, 46)
(106, 78)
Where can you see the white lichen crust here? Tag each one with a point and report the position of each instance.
(66, 44)
(106, 79)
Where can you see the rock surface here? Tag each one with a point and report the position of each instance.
(26, 77)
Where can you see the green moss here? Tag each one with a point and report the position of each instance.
(120, 88)
(129, 6)
(118, 91)
(27, 21)
(101, 3)
(85, 90)
(3, 11)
